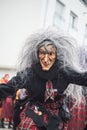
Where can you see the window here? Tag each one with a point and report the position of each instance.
(59, 13)
(84, 2)
(73, 20)
(86, 31)
(85, 35)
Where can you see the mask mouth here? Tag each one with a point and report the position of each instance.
(47, 56)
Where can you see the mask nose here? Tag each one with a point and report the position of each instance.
(46, 58)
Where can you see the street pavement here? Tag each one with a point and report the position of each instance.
(6, 127)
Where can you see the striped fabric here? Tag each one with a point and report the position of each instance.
(76, 122)
(79, 115)
(28, 124)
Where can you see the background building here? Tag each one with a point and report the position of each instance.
(20, 18)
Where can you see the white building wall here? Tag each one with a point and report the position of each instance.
(78, 8)
(19, 18)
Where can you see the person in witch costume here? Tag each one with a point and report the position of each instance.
(49, 63)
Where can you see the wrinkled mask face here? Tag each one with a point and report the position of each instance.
(47, 56)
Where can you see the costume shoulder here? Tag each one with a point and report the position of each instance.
(75, 77)
(16, 82)
(20, 80)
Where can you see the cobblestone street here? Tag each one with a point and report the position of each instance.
(6, 127)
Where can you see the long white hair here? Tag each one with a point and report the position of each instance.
(66, 54)
(66, 48)
(75, 95)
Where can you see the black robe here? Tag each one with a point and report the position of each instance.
(34, 80)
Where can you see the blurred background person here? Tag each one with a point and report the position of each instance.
(7, 106)
(21, 98)
(77, 106)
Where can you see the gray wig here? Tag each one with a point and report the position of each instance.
(66, 50)
(66, 54)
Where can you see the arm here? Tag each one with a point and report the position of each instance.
(11, 87)
(77, 77)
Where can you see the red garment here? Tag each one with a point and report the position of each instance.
(26, 122)
(7, 105)
(76, 123)
(78, 116)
